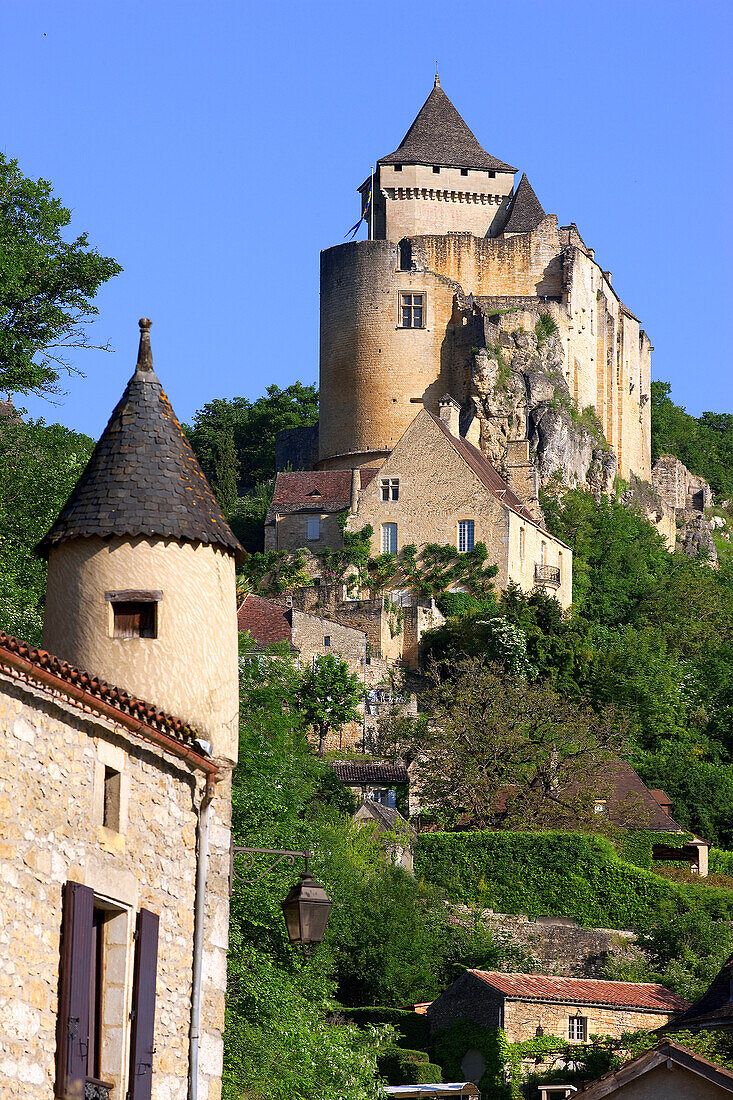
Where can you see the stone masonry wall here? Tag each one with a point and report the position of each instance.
(521, 1019)
(52, 759)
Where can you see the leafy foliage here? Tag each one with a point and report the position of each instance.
(704, 444)
(46, 284)
(329, 695)
(41, 464)
(234, 438)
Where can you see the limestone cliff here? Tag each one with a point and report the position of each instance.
(518, 389)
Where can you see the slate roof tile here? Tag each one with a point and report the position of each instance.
(525, 210)
(372, 772)
(143, 478)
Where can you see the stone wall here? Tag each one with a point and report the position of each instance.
(53, 759)
(413, 198)
(522, 1018)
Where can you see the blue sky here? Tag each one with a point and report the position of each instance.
(214, 149)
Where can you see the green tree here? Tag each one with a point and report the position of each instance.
(47, 284)
(704, 444)
(328, 697)
(41, 463)
(253, 426)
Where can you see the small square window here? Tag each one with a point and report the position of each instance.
(411, 310)
(398, 167)
(390, 488)
(577, 1029)
(134, 619)
(492, 175)
(436, 169)
(313, 528)
(464, 171)
(389, 538)
(465, 536)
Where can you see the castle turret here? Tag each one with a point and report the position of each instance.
(439, 179)
(141, 568)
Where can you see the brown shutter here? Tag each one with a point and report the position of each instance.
(72, 1046)
(143, 1006)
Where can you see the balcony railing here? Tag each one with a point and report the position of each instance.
(547, 574)
(97, 1090)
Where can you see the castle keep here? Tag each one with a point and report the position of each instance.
(458, 264)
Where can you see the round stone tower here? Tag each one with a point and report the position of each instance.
(141, 569)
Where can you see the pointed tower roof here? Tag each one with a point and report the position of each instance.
(439, 136)
(143, 478)
(525, 210)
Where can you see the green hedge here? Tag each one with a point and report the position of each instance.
(413, 1030)
(557, 874)
(407, 1067)
(637, 845)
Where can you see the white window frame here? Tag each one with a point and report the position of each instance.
(577, 1029)
(389, 544)
(313, 524)
(466, 535)
(390, 488)
(406, 302)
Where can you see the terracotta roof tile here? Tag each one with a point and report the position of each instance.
(314, 490)
(95, 688)
(373, 772)
(439, 136)
(143, 478)
(543, 987)
(266, 621)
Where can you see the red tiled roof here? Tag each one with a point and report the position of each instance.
(488, 475)
(590, 991)
(350, 772)
(319, 490)
(266, 621)
(96, 689)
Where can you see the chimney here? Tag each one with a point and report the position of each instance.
(450, 411)
(355, 489)
(521, 474)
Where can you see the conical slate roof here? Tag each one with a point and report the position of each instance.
(439, 136)
(143, 478)
(525, 209)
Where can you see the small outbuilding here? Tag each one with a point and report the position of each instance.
(669, 1071)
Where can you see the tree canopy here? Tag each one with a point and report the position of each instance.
(47, 284)
(704, 443)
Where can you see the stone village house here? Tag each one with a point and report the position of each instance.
(115, 800)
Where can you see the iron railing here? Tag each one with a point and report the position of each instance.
(547, 574)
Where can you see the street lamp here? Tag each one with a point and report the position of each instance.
(307, 906)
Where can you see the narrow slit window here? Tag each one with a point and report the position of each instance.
(465, 536)
(464, 171)
(405, 255)
(111, 811)
(436, 169)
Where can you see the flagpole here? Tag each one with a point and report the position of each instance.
(371, 206)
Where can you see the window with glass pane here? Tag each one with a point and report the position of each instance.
(411, 310)
(314, 528)
(465, 536)
(577, 1028)
(389, 538)
(390, 488)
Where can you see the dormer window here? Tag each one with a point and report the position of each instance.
(133, 614)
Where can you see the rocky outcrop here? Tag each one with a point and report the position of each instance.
(518, 390)
(686, 496)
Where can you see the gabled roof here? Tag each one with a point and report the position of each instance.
(314, 491)
(649, 996)
(439, 136)
(351, 772)
(629, 797)
(387, 818)
(488, 475)
(525, 210)
(266, 621)
(89, 691)
(670, 1055)
(716, 1004)
(143, 478)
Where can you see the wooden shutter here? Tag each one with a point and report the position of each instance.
(143, 1006)
(72, 1044)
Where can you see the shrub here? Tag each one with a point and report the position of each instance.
(413, 1031)
(407, 1067)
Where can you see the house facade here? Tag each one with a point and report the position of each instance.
(116, 807)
